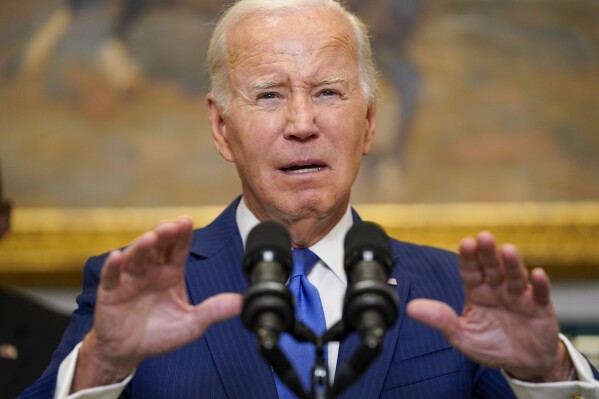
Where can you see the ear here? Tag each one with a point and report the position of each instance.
(218, 126)
(370, 128)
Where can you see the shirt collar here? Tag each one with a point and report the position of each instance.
(329, 249)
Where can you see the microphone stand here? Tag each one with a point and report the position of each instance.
(280, 364)
(358, 362)
(320, 387)
(370, 305)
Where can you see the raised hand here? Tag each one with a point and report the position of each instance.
(142, 307)
(508, 320)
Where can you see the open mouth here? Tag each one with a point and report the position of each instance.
(303, 168)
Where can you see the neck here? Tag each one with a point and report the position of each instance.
(307, 228)
(307, 232)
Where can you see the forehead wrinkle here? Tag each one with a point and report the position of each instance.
(264, 56)
(242, 51)
(342, 39)
(345, 41)
(336, 45)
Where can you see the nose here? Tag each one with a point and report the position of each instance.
(301, 119)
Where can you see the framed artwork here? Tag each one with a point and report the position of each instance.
(487, 118)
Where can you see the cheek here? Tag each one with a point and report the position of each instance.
(349, 136)
(270, 126)
(260, 125)
(253, 140)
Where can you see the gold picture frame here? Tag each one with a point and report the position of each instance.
(48, 246)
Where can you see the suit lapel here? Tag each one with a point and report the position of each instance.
(215, 266)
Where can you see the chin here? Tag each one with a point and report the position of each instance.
(310, 205)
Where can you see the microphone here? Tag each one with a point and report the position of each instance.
(267, 304)
(370, 305)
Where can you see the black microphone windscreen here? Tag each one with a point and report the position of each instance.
(269, 236)
(367, 236)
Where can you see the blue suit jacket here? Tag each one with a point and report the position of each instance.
(416, 361)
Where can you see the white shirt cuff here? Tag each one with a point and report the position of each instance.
(64, 381)
(584, 387)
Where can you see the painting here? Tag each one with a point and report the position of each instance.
(102, 102)
(102, 106)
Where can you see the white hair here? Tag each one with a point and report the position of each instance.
(218, 48)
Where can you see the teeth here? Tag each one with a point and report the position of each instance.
(305, 170)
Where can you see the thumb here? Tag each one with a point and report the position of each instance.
(435, 314)
(217, 308)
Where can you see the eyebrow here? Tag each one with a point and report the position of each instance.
(332, 80)
(262, 84)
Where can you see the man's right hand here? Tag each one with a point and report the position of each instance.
(142, 307)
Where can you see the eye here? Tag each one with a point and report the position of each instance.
(328, 93)
(267, 96)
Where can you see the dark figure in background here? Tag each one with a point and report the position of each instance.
(392, 23)
(29, 332)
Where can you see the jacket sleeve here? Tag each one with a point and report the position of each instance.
(81, 322)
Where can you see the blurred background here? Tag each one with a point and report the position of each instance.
(102, 102)
(488, 110)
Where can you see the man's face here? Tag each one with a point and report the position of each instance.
(297, 122)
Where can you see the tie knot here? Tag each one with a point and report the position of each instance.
(303, 261)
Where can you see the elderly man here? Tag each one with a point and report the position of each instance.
(293, 107)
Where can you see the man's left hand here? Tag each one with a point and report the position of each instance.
(508, 320)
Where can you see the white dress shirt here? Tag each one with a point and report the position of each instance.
(329, 273)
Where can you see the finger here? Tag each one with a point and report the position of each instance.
(111, 271)
(489, 259)
(437, 315)
(140, 254)
(217, 308)
(166, 235)
(470, 271)
(180, 249)
(541, 286)
(516, 275)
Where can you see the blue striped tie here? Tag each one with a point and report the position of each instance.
(308, 309)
